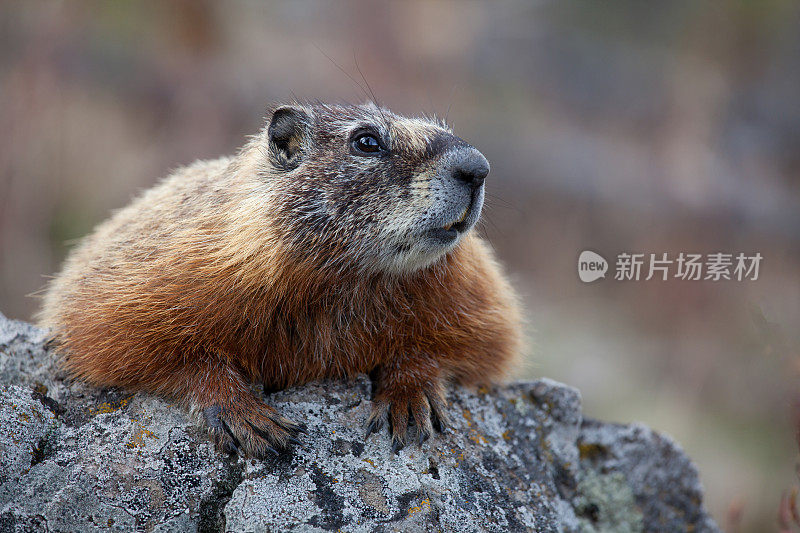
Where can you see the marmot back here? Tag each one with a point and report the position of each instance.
(337, 241)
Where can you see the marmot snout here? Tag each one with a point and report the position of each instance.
(337, 241)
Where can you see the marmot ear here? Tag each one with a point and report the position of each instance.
(288, 128)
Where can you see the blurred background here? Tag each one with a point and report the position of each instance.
(625, 127)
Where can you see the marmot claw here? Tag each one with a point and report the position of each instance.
(421, 407)
(256, 432)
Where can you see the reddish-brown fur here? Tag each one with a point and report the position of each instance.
(188, 294)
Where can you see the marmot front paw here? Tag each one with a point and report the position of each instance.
(256, 430)
(422, 406)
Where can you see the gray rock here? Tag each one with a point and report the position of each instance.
(519, 458)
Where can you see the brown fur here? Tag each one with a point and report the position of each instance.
(202, 286)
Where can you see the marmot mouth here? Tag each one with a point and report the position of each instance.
(458, 225)
(450, 232)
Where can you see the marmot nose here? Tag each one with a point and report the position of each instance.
(470, 167)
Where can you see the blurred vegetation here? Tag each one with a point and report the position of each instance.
(638, 127)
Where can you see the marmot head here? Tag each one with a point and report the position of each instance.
(358, 186)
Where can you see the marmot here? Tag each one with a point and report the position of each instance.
(337, 241)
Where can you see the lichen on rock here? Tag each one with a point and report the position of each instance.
(519, 458)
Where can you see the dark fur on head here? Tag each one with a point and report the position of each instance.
(376, 209)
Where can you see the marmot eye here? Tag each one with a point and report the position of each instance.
(367, 144)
